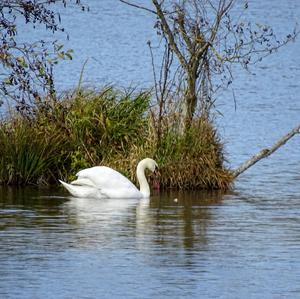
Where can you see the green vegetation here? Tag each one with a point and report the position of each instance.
(107, 127)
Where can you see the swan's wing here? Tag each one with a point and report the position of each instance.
(84, 188)
(87, 183)
(83, 182)
(105, 178)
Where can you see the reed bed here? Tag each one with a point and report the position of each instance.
(107, 127)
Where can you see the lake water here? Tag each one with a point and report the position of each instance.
(242, 244)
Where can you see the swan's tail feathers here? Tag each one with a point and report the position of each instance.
(68, 187)
(64, 184)
(83, 191)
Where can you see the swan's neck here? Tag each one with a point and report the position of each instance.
(144, 186)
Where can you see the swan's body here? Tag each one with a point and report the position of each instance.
(104, 182)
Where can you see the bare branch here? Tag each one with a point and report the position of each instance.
(181, 23)
(265, 152)
(169, 33)
(138, 6)
(222, 9)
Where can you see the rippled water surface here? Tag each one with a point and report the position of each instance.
(243, 244)
(207, 245)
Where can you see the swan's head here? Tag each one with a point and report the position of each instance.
(149, 163)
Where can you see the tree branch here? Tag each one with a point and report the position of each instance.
(265, 152)
(138, 6)
(169, 34)
(186, 38)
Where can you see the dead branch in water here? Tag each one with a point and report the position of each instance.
(265, 152)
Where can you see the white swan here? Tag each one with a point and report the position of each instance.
(104, 182)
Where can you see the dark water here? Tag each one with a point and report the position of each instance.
(244, 244)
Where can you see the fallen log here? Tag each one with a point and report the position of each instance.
(265, 152)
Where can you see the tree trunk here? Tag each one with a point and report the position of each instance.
(189, 104)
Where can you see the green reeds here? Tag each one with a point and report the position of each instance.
(26, 156)
(108, 127)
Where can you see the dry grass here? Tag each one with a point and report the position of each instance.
(110, 128)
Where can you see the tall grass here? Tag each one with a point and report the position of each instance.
(107, 127)
(25, 153)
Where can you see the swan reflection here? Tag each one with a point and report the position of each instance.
(143, 224)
